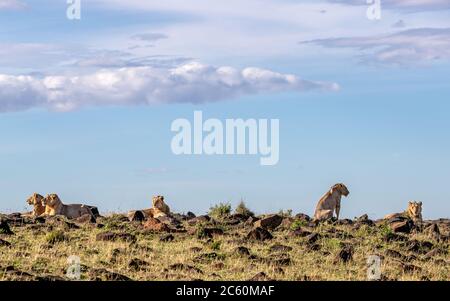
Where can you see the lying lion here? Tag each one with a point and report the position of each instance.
(331, 202)
(36, 201)
(54, 206)
(159, 208)
(414, 212)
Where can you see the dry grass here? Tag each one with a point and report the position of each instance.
(39, 251)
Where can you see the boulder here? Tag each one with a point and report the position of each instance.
(401, 227)
(94, 211)
(136, 216)
(110, 236)
(155, 225)
(269, 222)
(242, 251)
(261, 276)
(345, 254)
(4, 228)
(199, 219)
(4, 243)
(302, 217)
(280, 248)
(259, 234)
(167, 238)
(86, 219)
(137, 264)
(299, 233)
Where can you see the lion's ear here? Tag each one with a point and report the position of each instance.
(420, 204)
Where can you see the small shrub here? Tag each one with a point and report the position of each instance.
(55, 237)
(242, 209)
(287, 213)
(297, 224)
(221, 210)
(215, 246)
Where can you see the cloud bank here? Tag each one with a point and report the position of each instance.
(403, 48)
(11, 4)
(188, 83)
(408, 5)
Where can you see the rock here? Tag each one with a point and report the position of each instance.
(110, 236)
(344, 222)
(155, 225)
(250, 221)
(280, 248)
(314, 247)
(394, 237)
(279, 261)
(4, 243)
(208, 257)
(86, 219)
(302, 217)
(242, 251)
(137, 264)
(260, 234)
(105, 275)
(364, 220)
(299, 233)
(211, 232)
(422, 247)
(184, 267)
(345, 254)
(136, 216)
(94, 211)
(4, 228)
(409, 268)
(433, 231)
(394, 254)
(261, 276)
(270, 222)
(312, 238)
(49, 278)
(433, 253)
(195, 249)
(167, 238)
(401, 227)
(199, 219)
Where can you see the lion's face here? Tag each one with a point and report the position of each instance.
(158, 202)
(415, 209)
(35, 199)
(342, 189)
(51, 200)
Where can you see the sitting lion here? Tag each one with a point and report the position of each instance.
(54, 206)
(414, 212)
(36, 201)
(331, 202)
(159, 208)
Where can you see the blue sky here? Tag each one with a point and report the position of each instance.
(86, 105)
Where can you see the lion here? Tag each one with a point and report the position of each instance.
(331, 202)
(36, 201)
(414, 212)
(54, 206)
(159, 208)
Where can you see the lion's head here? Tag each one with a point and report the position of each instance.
(51, 200)
(342, 189)
(415, 209)
(35, 199)
(158, 202)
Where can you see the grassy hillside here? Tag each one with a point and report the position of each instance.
(223, 247)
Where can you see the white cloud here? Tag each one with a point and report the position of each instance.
(188, 83)
(11, 4)
(408, 5)
(405, 47)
